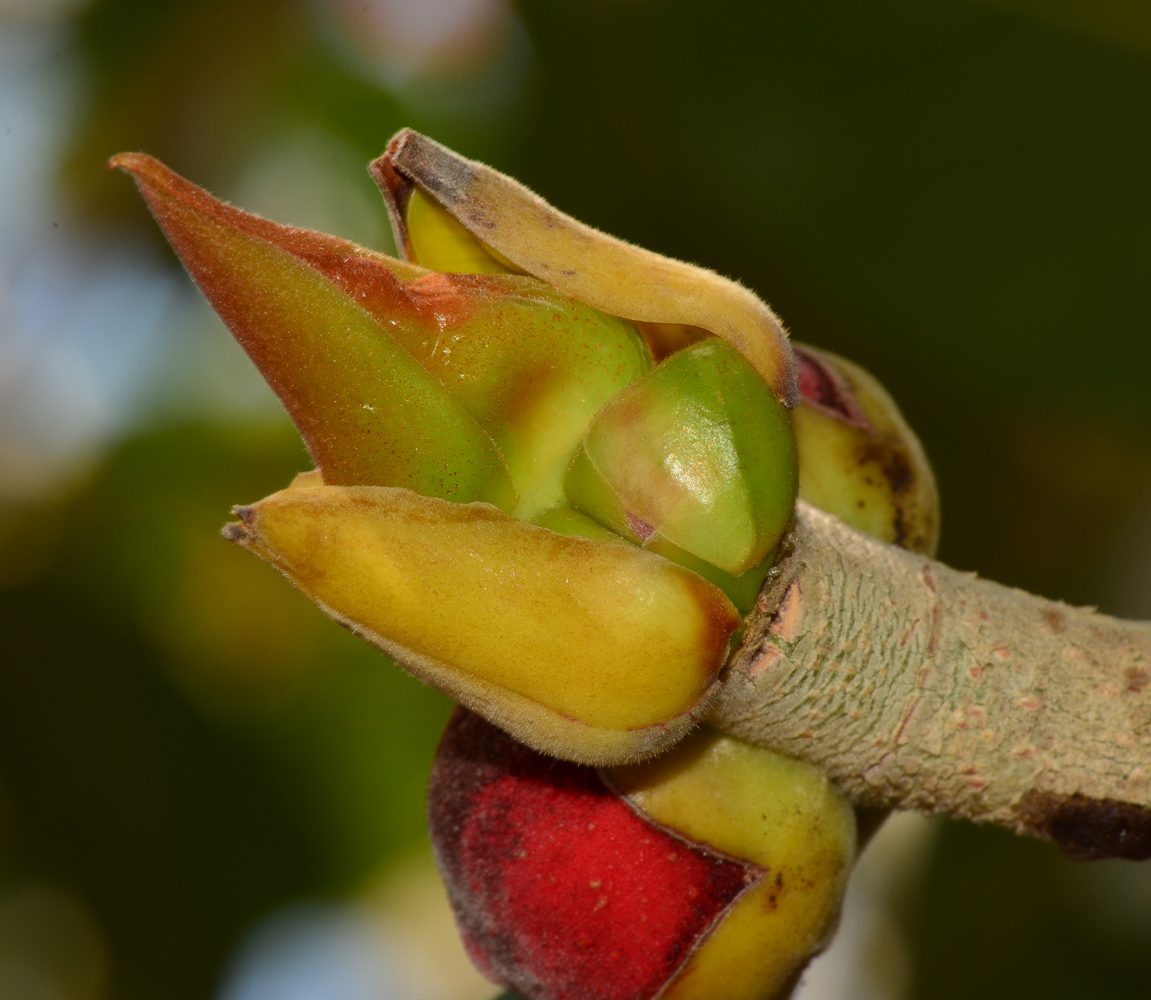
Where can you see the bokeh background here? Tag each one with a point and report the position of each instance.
(207, 790)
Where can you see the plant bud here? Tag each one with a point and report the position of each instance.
(716, 874)
(698, 453)
(463, 387)
(858, 458)
(481, 386)
(430, 236)
(598, 651)
(368, 411)
(524, 232)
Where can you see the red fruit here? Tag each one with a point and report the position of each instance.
(561, 890)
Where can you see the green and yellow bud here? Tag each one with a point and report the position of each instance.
(481, 384)
(698, 454)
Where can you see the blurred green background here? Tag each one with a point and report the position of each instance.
(955, 195)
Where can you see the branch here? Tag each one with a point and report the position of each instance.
(915, 686)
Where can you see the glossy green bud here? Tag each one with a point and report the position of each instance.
(698, 454)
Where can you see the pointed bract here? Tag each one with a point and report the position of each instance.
(369, 413)
(594, 651)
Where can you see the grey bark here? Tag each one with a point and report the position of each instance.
(919, 687)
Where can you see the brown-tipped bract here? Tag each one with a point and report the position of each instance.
(596, 651)
(603, 271)
(370, 414)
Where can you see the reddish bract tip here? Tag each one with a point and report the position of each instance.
(368, 277)
(821, 389)
(561, 890)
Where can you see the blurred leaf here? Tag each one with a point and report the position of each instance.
(297, 766)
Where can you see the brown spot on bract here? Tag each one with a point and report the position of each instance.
(1089, 829)
(889, 456)
(641, 528)
(246, 513)
(1136, 679)
(234, 532)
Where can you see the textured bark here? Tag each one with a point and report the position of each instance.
(919, 687)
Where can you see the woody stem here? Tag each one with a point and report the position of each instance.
(919, 687)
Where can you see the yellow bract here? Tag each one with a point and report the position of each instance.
(597, 651)
(605, 272)
(781, 814)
